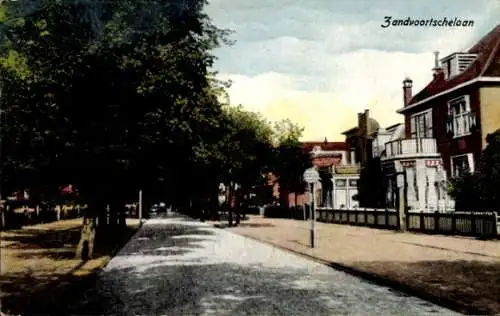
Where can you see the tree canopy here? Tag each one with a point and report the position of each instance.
(480, 191)
(116, 96)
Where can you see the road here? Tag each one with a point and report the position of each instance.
(175, 266)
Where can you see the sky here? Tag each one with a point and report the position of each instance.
(320, 62)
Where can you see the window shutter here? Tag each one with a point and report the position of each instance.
(429, 124)
(470, 160)
(452, 165)
(413, 130)
(472, 120)
(467, 103)
(449, 125)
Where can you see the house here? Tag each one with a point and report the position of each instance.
(360, 138)
(325, 156)
(416, 157)
(366, 141)
(384, 135)
(460, 106)
(447, 122)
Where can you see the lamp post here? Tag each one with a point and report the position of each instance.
(311, 176)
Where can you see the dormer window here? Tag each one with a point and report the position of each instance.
(456, 63)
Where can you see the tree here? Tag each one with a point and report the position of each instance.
(290, 160)
(480, 191)
(370, 195)
(111, 96)
(246, 150)
(286, 131)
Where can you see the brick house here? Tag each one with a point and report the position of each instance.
(324, 155)
(360, 140)
(460, 106)
(447, 122)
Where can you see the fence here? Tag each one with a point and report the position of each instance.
(484, 224)
(379, 218)
(296, 212)
(13, 218)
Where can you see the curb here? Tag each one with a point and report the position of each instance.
(378, 280)
(118, 248)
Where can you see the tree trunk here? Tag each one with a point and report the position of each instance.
(2, 219)
(238, 206)
(85, 248)
(284, 196)
(113, 214)
(214, 205)
(122, 218)
(102, 216)
(230, 204)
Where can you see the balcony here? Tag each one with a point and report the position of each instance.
(411, 147)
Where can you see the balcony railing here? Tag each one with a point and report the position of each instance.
(411, 146)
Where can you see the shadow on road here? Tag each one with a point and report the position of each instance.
(249, 225)
(174, 270)
(38, 269)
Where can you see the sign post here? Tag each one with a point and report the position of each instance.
(311, 176)
(140, 206)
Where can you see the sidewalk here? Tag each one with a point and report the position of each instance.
(38, 267)
(456, 271)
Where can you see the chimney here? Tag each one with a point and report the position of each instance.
(437, 67)
(407, 93)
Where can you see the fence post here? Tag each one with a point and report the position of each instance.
(366, 217)
(495, 224)
(436, 222)
(401, 208)
(386, 213)
(473, 223)
(422, 221)
(453, 223)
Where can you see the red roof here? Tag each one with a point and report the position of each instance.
(308, 146)
(487, 63)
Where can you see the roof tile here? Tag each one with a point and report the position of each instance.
(486, 64)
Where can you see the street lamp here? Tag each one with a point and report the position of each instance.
(311, 176)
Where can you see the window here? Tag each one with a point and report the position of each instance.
(448, 69)
(340, 183)
(460, 117)
(421, 125)
(456, 64)
(461, 164)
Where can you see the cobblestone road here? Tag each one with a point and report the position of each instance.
(175, 266)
